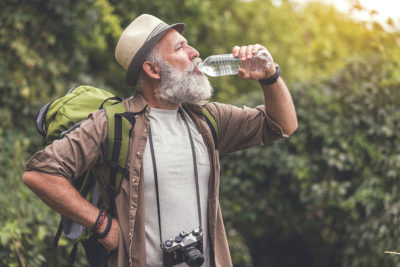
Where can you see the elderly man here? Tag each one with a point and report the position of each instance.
(173, 161)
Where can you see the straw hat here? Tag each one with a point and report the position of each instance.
(137, 40)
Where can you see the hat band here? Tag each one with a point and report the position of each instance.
(159, 28)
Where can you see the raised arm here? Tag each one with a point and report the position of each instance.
(278, 101)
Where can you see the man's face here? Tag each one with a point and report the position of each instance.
(181, 81)
(174, 48)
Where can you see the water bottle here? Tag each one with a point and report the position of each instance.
(226, 64)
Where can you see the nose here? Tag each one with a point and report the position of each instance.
(193, 53)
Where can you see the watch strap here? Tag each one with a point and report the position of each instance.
(273, 78)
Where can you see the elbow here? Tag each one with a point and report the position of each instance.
(28, 178)
(292, 128)
(31, 179)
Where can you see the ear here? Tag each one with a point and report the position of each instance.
(151, 70)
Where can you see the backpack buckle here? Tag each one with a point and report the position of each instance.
(114, 165)
(111, 190)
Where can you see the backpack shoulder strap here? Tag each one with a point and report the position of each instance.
(120, 125)
(212, 124)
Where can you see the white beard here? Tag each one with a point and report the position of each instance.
(185, 86)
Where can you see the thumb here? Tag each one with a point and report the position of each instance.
(243, 74)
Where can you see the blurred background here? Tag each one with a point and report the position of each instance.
(328, 196)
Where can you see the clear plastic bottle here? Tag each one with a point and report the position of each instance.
(226, 64)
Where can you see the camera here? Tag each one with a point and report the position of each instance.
(186, 247)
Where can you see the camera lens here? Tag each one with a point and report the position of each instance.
(193, 257)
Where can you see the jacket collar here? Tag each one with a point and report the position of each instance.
(195, 108)
(136, 103)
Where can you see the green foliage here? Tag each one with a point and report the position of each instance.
(45, 48)
(326, 197)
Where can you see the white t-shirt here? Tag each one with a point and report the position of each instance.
(176, 183)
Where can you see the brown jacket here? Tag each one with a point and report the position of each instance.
(239, 128)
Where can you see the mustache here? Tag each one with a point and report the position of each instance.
(195, 62)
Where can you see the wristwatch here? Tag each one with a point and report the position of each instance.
(273, 78)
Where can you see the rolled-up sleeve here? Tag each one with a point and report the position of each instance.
(240, 128)
(76, 152)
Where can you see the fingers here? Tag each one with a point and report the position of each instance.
(243, 53)
(235, 51)
(248, 69)
(246, 52)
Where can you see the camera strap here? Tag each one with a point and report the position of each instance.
(196, 176)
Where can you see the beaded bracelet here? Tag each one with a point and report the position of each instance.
(97, 223)
(107, 230)
(103, 216)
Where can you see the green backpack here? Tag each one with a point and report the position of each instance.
(58, 118)
(65, 114)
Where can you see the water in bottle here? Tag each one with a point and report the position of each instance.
(226, 64)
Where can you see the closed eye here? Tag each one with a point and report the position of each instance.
(181, 44)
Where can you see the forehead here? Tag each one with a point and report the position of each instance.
(171, 39)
